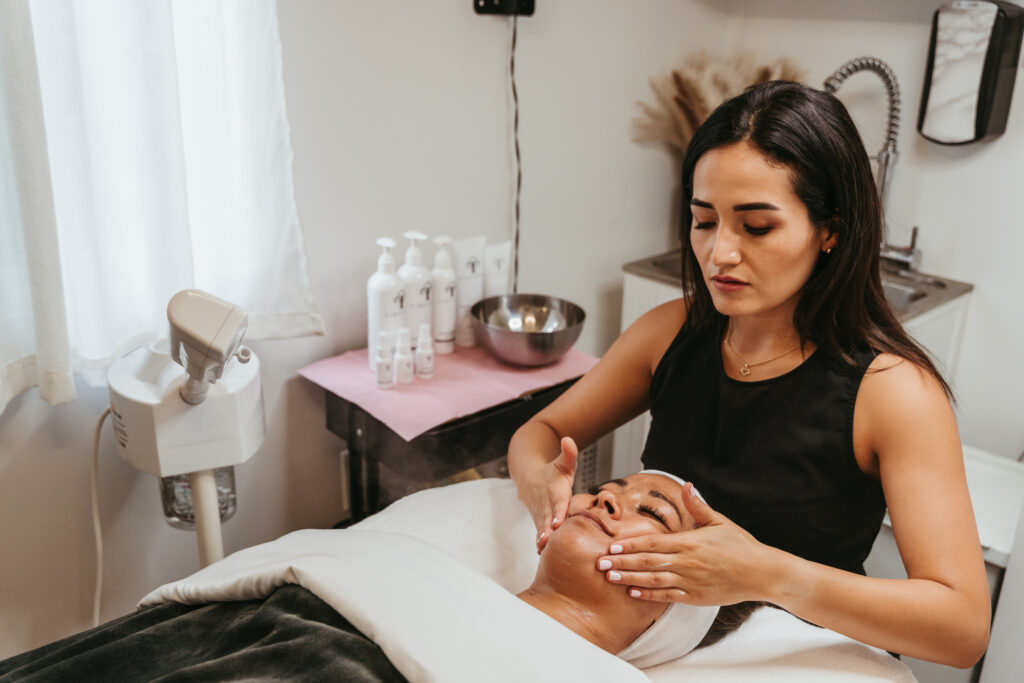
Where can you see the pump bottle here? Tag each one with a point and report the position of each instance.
(384, 300)
(385, 362)
(417, 284)
(445, 288)
(403, 357)
(424, 354)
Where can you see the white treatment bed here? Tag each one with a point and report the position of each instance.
(414, 579)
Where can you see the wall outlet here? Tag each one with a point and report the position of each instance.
(520, 7)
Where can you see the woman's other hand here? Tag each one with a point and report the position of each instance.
(717, 563)
(549, 494)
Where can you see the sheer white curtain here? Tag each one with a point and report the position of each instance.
(144, 149)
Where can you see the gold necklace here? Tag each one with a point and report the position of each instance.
(745, 370)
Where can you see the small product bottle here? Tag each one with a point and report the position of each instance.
(444, 291)
(403, 357)
(417, 284)
(385, 362)
(384, 300)
(424, 354)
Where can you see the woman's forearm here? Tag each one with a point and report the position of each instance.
(920, 618)
(533, 446)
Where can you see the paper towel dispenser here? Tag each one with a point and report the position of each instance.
(972, 65)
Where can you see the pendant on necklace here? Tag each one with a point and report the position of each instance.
(745, 370)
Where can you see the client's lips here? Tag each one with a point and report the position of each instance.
(594, 519)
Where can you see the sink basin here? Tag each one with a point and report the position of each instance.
(900, 296)
(910, 293)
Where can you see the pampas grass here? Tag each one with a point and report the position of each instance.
(687, 95)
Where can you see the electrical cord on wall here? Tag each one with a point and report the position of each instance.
(96, 520)
(515, 137)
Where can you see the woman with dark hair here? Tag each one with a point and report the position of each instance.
(786, 390)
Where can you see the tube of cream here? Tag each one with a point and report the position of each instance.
(469, 267)
(497, 263)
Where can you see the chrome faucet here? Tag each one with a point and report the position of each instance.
(909, 256)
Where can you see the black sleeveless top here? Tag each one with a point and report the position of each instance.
(774, 456)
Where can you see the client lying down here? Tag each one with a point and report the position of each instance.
(409, 585)
(568, 589)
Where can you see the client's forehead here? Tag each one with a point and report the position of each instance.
(657, 482)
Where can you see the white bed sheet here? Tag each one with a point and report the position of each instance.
(455, 538)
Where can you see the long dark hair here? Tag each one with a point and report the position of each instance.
(843, 305)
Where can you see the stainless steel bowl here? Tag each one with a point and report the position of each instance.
(527, 329)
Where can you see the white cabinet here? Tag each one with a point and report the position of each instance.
(940, 331)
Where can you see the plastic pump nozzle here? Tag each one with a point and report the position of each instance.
(386, 262)
(443, 259)
(413, 255)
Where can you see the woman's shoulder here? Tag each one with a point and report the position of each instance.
(896, 390)
(655, 329)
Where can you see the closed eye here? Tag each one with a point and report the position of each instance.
(647, 510)
(704, 226)
(757, 231)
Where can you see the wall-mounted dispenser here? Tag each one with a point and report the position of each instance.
(972, 65)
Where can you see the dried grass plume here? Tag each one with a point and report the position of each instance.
(688, 95)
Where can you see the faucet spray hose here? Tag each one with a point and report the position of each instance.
(892, 89)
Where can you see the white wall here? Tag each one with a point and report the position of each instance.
(400, 119)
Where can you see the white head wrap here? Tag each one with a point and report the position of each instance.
(676, 632)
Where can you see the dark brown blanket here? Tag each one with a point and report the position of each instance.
(291, 635)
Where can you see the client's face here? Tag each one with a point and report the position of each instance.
(639, 505)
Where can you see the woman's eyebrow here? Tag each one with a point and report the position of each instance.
(756, 206)
(749, 206)
(659, 494)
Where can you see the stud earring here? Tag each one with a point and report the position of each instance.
(828, 250)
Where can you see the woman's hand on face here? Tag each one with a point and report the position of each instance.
(718, 563)
(550, 492)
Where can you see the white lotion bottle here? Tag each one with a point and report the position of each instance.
(416, 282)
(385, 362)
(424, 354)
(403, 357)
(445, 295)
(497, 264)
(384, 300)
(469, 267)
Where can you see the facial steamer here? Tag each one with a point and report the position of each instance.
(191, 405)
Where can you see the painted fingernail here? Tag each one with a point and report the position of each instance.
(604, 565)
(554, 521)
(634, 593)
(615, 549)
(614, 576)
(694, 492)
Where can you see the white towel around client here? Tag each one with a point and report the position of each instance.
(455, 538)
(395, 577)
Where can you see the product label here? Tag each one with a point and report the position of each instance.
(424, 364)
(384, 374)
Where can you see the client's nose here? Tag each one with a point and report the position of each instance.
(609, 502)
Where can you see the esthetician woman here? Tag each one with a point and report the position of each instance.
(789, 395)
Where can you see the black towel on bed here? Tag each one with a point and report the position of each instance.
(291, 635)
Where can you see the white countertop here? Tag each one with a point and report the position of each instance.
(996, 486)
(997, 493)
